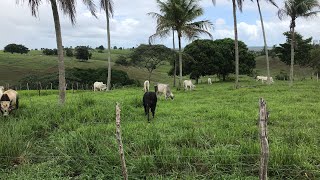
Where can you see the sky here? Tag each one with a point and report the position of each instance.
(131, 25)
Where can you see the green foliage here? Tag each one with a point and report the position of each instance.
(302, 50)
(151, 56)
(16, 48)
(69, 52)
(315, 59)
(282, 76)
(81, 76)
(100, 48)
(82, 53)
(122, 60)
(217, 57)
(50, 52)
(115, 47)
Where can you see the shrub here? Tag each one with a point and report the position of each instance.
(16, 48)
(82, 53)
(122, 60)
(282, 75)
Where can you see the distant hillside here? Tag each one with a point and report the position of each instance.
(257, 48)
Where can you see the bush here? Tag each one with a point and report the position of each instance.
(50, 52)
(16, 48)
(82, 53)
(69, 52)
(282, 76)
(122, 60)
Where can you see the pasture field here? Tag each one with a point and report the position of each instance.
(208, 133)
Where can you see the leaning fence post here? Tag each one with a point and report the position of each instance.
(118, 135)
(263, 119)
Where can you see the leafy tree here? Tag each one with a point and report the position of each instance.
(115, 47)
(68, 8)
(264, 37)
(69, 52)
(302, 48)
(295, 9)
(82, 53)
(122, 60)
(16, 48)
(151, 56)
(217, 57)
(179, 15)
(315, 59)
(50, 52)
(100, 48)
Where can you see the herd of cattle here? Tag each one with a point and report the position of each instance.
(9, 99)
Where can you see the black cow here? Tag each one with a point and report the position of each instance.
(149, 102)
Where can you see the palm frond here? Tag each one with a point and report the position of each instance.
(68, 7)
(159, 34)
(33, 4)
(91, 6)
(103, 5)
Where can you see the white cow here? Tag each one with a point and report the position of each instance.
(163, 89)
(146, 86)
(264, 78)
(188, 83)
(9, 101)
(99, 86)
(209, 81)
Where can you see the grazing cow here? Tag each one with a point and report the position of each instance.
(188, 83)
(163, 89)
(264, 78)
(99, 86)
(146, 86)
(209, 81)
(9, 101)
(150, 102)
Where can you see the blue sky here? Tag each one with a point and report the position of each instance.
(131, 26)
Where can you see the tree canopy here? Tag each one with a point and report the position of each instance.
(82, 53)
(302, 49)
(151, 56)
(217, 57)
(16, 48)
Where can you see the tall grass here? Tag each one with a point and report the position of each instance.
(208, 133)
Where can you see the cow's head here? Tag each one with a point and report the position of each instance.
(103, 87)
(5, 105)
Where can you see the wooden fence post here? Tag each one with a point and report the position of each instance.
(28, 86)
(317, 77)
(263, 119)
(118, 135)
(38, 86)
(77, 86)
(51, 86)
(72, 88)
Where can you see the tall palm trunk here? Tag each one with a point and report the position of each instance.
(180, 59)
(265, 43)
(174, 60)
(236, 48)
(62, 80)
(292, 51)
(109, 46)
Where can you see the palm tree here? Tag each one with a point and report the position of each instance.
(264, 37)
(295, 9)
(107, 6)
(178, 15)
(67, 7)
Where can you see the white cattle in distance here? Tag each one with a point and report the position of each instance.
(146, 86)
(209, 81)
(99, 86)
(188, 83)
(264, 78)
(163, 89)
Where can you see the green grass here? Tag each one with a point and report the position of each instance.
(209, 133)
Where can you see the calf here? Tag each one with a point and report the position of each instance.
(146, 86)
(9, 101)
(188, 83)
(163, 89)
(149, 102)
